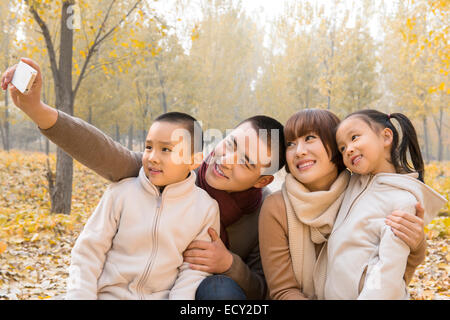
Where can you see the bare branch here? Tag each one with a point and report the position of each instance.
(48, 42)
(99, 65)
(98, 40)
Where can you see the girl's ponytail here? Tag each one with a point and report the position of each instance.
(409, 142)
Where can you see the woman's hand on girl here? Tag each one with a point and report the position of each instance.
(408, 227)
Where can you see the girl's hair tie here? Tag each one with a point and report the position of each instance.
(389, 116)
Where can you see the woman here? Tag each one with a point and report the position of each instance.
(295, 222)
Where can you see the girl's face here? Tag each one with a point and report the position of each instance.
(364, 151)
(309, 163)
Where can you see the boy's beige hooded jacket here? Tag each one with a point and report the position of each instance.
(132, 245)
(365, 260)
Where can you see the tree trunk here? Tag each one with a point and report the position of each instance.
(425, 136)
(447, 155)
(438, 125)
(62, 193)
(61, 190)
(5, 126)
(130, 137)
(90, 115)
(117, 132)
(5, 131)
(47, 146)
(163, 90)
(329, 82)
(143, 137)
(3, 136)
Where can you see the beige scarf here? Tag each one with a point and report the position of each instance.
(310, 217)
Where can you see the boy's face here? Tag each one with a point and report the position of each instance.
(167, 158)
(239, 160)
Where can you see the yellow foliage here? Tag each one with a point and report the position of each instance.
(25, 204)
(437, 176)
(3, 247)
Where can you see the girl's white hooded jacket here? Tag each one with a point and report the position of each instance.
(365, 260)
(132, 245)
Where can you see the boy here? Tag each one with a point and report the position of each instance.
(132, 246)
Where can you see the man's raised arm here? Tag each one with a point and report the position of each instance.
(82, 141)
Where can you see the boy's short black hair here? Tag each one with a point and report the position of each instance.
(259, 122)
(190, 123)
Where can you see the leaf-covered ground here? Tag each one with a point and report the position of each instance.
(35, 245)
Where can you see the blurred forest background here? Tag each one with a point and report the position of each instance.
(119, 64)
(225, 60)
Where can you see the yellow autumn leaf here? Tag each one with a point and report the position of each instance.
(444, 266)
(3, 247)
(409, 23)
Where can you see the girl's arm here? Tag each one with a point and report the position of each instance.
(389, 272)
(410, 228)
(274, 248)
(384, 280)
(94, 149)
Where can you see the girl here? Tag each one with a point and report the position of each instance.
(382, 181)
(295, 222)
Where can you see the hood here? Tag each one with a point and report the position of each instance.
(430, 200)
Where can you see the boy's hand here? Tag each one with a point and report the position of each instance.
(408, 227)
(24, 101)
(212, 257)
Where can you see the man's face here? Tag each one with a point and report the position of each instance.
(239, 160)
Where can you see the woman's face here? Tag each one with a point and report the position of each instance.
(309, 163)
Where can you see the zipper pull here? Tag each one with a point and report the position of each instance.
(158, 201)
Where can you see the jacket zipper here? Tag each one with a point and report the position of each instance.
(353, 203)
(150, 261)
